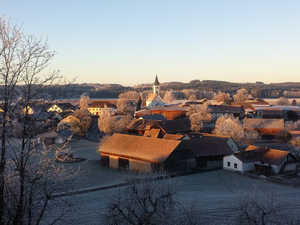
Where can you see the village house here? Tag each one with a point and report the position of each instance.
(263, 160)
(284, 108)
(271, 113)
(178, 126)
(145, 154)
(168, 112)
(62, 107)
(267, 128)
(96, 107)
(53, 137)
(225, 110)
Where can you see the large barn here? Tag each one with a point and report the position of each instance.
(145, 154)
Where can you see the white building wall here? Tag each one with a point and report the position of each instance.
(232, 163)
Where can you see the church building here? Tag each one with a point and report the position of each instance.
(154, 99)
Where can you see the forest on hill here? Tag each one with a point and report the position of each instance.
(258, 89)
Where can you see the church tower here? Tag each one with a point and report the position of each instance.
(156, 86)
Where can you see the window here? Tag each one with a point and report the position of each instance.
(235, 166)
(228, 164)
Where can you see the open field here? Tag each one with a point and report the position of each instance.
(213, 193)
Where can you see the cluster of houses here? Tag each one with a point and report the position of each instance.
(160, 137)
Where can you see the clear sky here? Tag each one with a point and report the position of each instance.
(129, 41)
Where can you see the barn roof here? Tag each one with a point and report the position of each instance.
(173, 136)
(272, 112)
(224, 109)
(175, 126)
(152, 133)
(208, 146)
(263, 123)
(169, 108)
(137, 147)
(265, 155)
(101, 104)
(274, 157)
(153, 117)
(138, 125)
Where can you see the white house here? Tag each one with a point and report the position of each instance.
(264, 160)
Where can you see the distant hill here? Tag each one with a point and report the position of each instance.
(258, 89)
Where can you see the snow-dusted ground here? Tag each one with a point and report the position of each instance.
(214, 193)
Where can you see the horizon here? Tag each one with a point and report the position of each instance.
(129, 42)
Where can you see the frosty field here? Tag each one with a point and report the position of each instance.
(213, 193)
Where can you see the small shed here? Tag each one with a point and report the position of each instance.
(51, 138)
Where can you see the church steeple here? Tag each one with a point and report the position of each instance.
(156, 86)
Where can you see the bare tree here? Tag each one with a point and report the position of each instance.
(241, 95)
(198, 115)
(228, 125)
(262, 209)
(147, 199)
(282, 101)
(24, 178)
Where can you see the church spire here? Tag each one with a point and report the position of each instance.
(156, 86)
(156, 81)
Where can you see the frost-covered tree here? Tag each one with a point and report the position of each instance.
(106, 122)
(282, 101)
(169, 96)
(27, 177)
(241, 95)
(125, 106)
(192, 97)
(198, 115)
(84, 101)
(230, 126)
(81, 121)
(222, 97)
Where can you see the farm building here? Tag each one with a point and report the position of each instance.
(266, 127)
(145, 154)
(263, 160)
(209, 151)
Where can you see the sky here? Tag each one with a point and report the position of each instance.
(128, 42)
